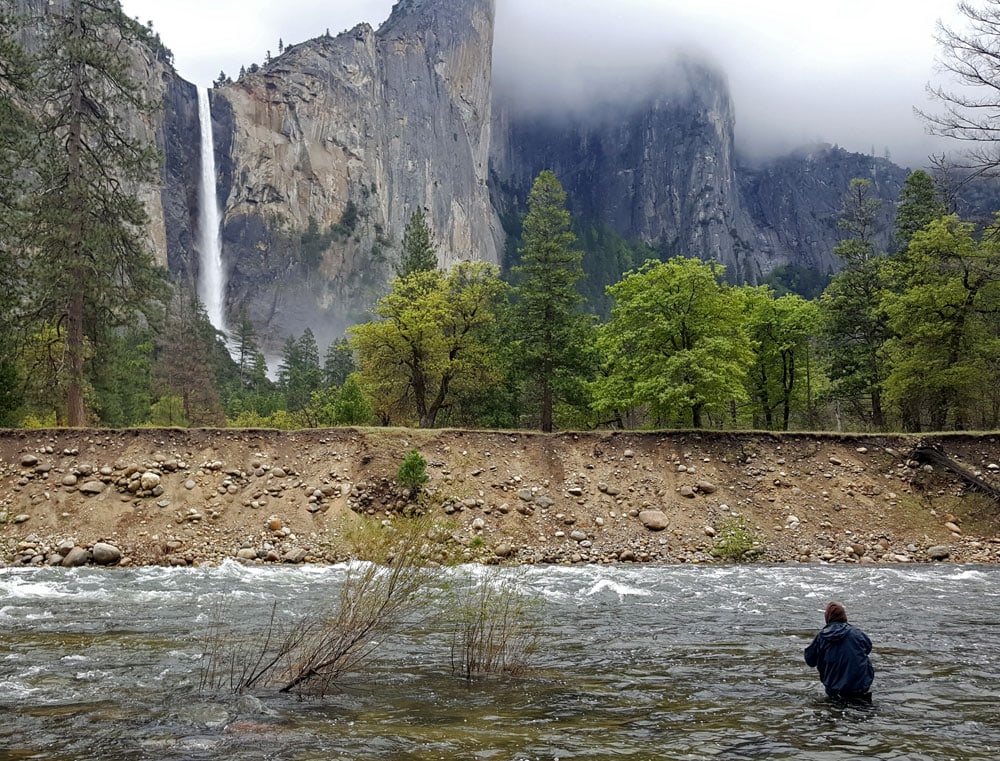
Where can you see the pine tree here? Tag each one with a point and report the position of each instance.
(554, 335)
(184, 357)
(919, 205)
(299, 373)
(856, 323)
(89, 265)
(15, 123)
(338, 363)
(418, 247)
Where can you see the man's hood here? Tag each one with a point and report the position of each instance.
(835, 632)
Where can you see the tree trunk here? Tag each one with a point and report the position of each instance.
(75, 414)
(547, 404)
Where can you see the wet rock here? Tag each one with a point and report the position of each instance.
(106, 554)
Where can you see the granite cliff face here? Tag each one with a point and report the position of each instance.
(661, 169)
(795, 202)
(325, 152)
(664, 170)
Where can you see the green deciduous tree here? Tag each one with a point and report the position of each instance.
(554, 337)
(784, 377)
(418, 247)
(351, 407)
(90, 267)
(434, 342)
(676, 344)
(947, 333)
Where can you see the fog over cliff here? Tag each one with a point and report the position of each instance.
(847, 73)
(850, 74)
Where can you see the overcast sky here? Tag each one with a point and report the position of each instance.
(800, 71)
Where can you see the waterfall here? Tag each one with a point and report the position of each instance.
(212, 280)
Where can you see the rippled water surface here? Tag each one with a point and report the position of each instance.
(636, 663)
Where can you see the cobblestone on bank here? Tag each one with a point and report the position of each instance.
(196, 497)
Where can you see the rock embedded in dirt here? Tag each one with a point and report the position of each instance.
(938, 552)
(654, 520)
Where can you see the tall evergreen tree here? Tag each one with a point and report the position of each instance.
(418, 246)
(15, 84)
(856, 324)
(183, 367)
(919, 205)
(90, 267)
(554, 335)
(299, 373)
(338, 363)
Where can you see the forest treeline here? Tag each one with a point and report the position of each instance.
(93, 333)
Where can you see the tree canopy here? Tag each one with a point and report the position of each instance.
(676, 344)
(553, 334)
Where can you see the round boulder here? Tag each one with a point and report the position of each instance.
(106, 554)
(654, 520)
(938, 552)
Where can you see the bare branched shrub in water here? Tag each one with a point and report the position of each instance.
(376, 599)
(497, 628)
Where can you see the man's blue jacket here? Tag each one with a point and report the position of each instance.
(840, 653)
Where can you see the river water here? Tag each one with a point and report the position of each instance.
(645, 662)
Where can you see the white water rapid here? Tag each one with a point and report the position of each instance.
(212, 281)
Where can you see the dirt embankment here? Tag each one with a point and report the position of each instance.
(200, 496)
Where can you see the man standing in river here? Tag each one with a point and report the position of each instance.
(840, 654)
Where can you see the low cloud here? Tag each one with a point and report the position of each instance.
(849, 74)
